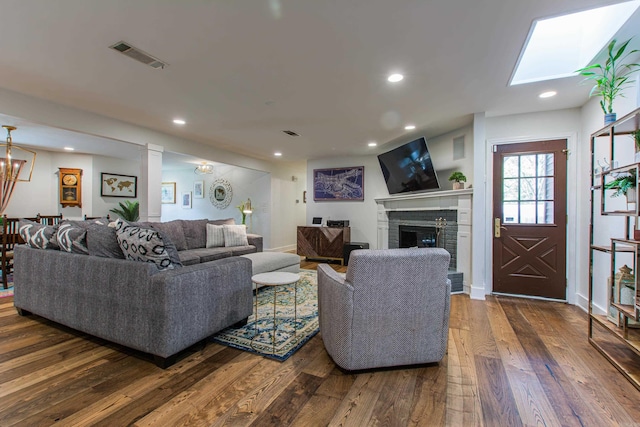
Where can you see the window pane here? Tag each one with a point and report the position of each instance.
(545, 188)
(510, 189)
(527, 213)
(528, 165)
(510, 212)
(545, 213)
(510, 167)
(545, 164)
(528, 189)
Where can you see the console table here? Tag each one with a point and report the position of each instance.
(323, 242)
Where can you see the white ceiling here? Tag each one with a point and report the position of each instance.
(241, 72)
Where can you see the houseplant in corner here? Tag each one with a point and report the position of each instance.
(611, 78)
(458, 179)
(129, 211)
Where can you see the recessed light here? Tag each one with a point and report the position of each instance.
(548, 94)
(179, 121)
(372, 144)
(394, 78)
(69, 148)
(409, 127)
(277, 154)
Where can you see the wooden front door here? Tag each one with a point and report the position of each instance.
(530, 219)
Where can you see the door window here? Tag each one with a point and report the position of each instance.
(527, 191)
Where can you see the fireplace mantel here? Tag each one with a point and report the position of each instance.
(458, 200)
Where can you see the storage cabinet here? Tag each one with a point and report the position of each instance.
(323, 242)
(614, 256)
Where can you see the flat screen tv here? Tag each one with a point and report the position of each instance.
(408, 168)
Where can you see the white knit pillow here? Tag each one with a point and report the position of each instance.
(215, 236)
(235, 235)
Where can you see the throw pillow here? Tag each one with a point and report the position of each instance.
(36, 235)
(102, 241)
(235, 235)
(72, 238)
(147, 245)
(215, 236)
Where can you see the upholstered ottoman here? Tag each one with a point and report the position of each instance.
(263, 262)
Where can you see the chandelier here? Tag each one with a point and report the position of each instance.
(204, 169)
(10, 169)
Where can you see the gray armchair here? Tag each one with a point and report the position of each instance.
(391, 309)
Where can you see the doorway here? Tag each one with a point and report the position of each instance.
(530, 219)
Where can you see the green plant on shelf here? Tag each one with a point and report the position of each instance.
(622, 183)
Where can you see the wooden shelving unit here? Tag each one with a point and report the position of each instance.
(618, 341)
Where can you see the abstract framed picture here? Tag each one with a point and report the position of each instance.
(338, 184)
(186, 200)
(198, 190)
(115, 185)
(168, 193)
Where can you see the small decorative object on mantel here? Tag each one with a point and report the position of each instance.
(611, 78)
(70, 187)
(220, 193)
(458, 179)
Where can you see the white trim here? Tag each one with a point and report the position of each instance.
(572, 203)
(287, 248)
(502, 294)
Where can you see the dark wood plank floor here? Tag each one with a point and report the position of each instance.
(510, 362)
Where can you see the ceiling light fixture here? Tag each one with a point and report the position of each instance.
(69, 148)
(277, 154)
(372, 144)
(10, 169)
(548, 94)
(394, 78)
(179, 121)
(409, 127)
(204, 169)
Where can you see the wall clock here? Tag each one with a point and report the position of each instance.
(70, 187)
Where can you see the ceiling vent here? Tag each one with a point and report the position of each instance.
(290, 133)
(138, 55)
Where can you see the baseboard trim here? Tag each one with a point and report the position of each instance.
(583, 303)
(477, 293)
(287, 248)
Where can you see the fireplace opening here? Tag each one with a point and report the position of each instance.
(421, 237)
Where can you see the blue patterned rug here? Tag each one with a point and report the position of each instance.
(6, 292)
(258, 338)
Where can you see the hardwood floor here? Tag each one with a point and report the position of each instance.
(510, 362)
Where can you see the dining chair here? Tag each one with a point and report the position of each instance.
(10, 238)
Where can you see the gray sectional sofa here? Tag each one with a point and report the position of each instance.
(160, 312)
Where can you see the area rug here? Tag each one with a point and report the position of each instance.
(257, 338)
(6, 292)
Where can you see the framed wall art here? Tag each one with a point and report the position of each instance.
(220, 193)
(115, 185)
(338, 184)
(168, 192)
(198, 190)
(186, 200)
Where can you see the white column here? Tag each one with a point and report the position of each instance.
(150, 183)
(481, 236)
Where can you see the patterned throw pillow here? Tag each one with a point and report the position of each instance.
(147, 245)
(235, 235)
(215, 236)
(37, 235)
(71, 238)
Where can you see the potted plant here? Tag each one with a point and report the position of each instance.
(622, 183)
(458, 179)
(129, 211)
(611, 77)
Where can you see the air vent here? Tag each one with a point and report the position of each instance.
(290, 133)
(139, 55)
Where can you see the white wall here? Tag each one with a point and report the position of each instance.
(287, 209)
(245, 183)
(41, 194)
(362, 216)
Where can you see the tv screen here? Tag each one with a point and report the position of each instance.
(408, 168)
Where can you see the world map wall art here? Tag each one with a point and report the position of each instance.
(338, 184)
(115, 185)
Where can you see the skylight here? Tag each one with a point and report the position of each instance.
(559, 46)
